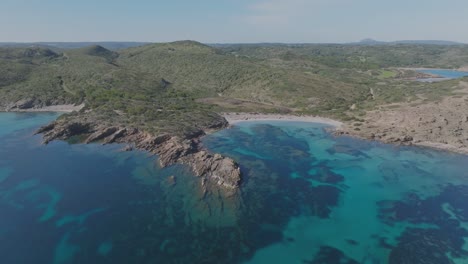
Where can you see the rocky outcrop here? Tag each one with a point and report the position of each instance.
(221, 170)
(212, 168)
(22, 104)
(440, 124)
(39, 105)
(173, 150)
(101, 134)
(63, 131)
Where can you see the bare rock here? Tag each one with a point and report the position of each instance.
(128, 148)
(406, 139)
(101, 134)
(45, 128)
(172, 150)
(222, 170)
(117, 135)
(22, 104)
(212, 168)
(63, 130)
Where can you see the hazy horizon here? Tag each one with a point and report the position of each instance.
(224, 43)
(242, 21)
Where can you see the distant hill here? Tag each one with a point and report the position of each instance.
(99, 51)
(75, 45)
(369, 41)
(115, 45)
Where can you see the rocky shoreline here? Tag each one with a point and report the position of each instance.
(212, 168)
(36, 105)
(441, 125)
(434, 125)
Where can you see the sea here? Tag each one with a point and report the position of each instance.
(306, 196)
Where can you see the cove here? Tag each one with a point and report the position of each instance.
(328, 199)
(445, 74)
(306, 197)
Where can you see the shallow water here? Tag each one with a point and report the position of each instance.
(341, 199)
(443, 73)
(306, 197)
(65, 203)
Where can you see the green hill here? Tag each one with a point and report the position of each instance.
(168, 86)
(99, 51)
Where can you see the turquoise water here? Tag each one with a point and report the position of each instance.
(445, 74)
(65, 203)
(306, 197)
(341, 200)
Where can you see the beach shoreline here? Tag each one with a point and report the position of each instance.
(234, 118)
(342, 129)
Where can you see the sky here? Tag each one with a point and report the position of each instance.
(233, 21)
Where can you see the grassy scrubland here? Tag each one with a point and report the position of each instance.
(174, 87)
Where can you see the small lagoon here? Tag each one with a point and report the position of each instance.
(306, 197)
(444, 74)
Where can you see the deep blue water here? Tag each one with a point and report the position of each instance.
(306, 197)
(445, 74)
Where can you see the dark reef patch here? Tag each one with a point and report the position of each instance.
(444, 212)
(328, 255)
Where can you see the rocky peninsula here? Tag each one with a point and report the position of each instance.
(213, 168)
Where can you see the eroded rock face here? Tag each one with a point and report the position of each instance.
(173, 150)
(58, 130)
(30, 103)
(214, 168)
(22, 104)
(101, 134)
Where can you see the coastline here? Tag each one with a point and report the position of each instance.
(341, 129)
(52, 108)
(234, 118)
(441, 146)
(401, 142)
(214, 169)
(462, 69)
(433, 125)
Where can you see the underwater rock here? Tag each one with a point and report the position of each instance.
(422, 247)
(428, 246)
(171, 180)
(331, 255)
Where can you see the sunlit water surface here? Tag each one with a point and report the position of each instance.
(306, 197)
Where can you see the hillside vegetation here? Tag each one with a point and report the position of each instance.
(176, 87)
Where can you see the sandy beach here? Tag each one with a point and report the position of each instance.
(234, 118)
